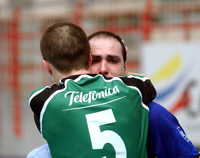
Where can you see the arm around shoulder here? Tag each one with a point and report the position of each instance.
(166, 137)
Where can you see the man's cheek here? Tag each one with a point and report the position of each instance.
(93, 69)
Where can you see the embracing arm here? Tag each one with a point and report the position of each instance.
(166, 138)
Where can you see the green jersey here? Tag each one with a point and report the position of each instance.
(92, 116)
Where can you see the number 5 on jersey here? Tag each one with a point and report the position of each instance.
(98, 138)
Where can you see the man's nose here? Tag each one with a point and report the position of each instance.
(103, 68)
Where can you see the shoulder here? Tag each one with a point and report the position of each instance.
(40, 152)
(44, 92)
(160, 115)
(140, 81)
(137, 76)
(37, 91)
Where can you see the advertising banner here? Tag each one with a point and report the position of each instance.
(174, 69)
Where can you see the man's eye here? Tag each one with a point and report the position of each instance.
(113, 61)
(94, 61)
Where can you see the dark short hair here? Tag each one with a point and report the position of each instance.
(110, 34)
(66, 47)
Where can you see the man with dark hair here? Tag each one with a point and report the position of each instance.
(88, 115)
(166, 138)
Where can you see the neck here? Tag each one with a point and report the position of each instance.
(78, 72)
(58, 75)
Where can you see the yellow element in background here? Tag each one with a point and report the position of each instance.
(168, 70)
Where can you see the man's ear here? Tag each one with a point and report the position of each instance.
(125, 70)
(90, 60)
(47, 66)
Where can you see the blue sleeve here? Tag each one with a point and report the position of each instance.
(166, 138)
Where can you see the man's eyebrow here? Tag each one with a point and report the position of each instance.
(95, 56)
(114, 56)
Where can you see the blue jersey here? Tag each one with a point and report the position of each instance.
(166, 138)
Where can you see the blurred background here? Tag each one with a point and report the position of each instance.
(163, 38)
